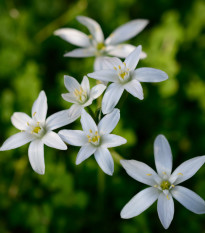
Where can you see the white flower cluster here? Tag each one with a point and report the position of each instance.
(97, 138)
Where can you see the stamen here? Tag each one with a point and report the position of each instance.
(119, 67)
(36, 129)
(164, 173)
(115, 68)
(172, 186)
(90, 36)
(148, 174)
(180, 174)
(155, 185)
(88, 136)
(168, 197)
(90, 131)
(27, 123)
(34, 114)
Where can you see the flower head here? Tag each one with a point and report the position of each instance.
(164, 185)
(95, 139)
(124, 76)
(38, 130)
(96, 45)
(80, 94)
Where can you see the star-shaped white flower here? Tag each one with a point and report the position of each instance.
(164, 185)
(95, 45)
(80, 94)
(95, 139)
(38, 130)
(124, 77)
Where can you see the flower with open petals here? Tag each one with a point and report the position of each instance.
(38, 130)
(124, 77)
(95, 45)
(80, 94)
(95, 139)
(164, 185)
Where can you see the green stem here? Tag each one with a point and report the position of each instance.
(117, 157)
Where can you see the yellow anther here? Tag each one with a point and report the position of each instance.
(124, 63)
(164, 173)
(115, 68)
(122, 75)
(36, 129)
(172, 186)
(180, 174)
(119, 67)
(27, 123)
(89, 140)
(90, 36)
(111, 35)
(168, 197)
(34, 114)
(90, 131)
(148, 174)
(88, 136)
(155, 185)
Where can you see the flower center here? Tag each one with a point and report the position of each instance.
(123, 72)
(81, 95)
(93, 138)
(100, 46)
(36, 129)
(165, 184)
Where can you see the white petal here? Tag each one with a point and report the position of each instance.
(133, 58)
(127, 31)
(71, 83)
(69, 97)
(85, 84)
(104, 160)
(20, 120)
(36, 156)
(53, 140)
(140, 172)
(165, 209)
(93, 27)
(108, 63)
(134, 88)
(189, 199)
(60, 119)
(140, 202)
(111, 97)
(149, 75)
(162, 155)
(73, 36)
(108, 122)
(121, 50)
(17, 140)
(97, 90)
(87, 122)
(85, 152)
(98, 63)
(105, 75)
(187, 169)
(40, 107)
(112, 140)
(74, 137)
(86, 52)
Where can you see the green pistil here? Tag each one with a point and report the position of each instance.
(100, 46)
(165, 184)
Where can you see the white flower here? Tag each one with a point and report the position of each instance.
(38, 130)
(164, 185)
(124, 77)
(95, 139)
(95, 45)
(80, 95)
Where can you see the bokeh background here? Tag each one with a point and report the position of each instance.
(70, 198)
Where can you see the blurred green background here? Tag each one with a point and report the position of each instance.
(70, 198)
